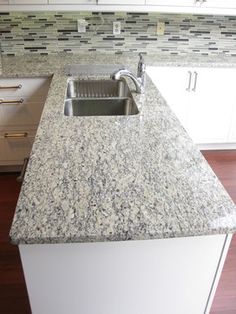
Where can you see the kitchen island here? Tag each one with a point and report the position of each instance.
(108, 180)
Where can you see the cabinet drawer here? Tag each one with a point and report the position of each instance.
(27, 112)
(25, 87)
(15, 146)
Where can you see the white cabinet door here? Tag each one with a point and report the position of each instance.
(220, 4)
(72, 1)
(232, 135)
(207, 109)
(171, 2)
(173, 83)
(135, 2)
(211, 105)
(28, 1)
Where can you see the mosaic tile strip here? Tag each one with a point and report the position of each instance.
(52, 32)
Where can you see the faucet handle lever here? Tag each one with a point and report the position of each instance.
(140, 57)
(141, 66)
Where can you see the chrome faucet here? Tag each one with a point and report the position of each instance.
(138, 80)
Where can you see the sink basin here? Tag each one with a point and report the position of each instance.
(100, 107)
(97, 89)
(99, 98)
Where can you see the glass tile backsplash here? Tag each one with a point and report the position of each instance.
(52, 32)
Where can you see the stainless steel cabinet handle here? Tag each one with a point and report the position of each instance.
(11, 87)
(189, 81)
(23, 169)
(195, 81)
(11, 102)
(16, 135)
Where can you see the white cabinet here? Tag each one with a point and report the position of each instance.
(33, 88)
(28, 1)
(219, 4)
(15, 145)
(21, 105)
(227, 7)
(204, 4)
(232, 135)
(20, 112)
(127, 277)
(126, 2)
(122, 2)
(202, 98)
(211, 106)
(171, 2)
(72, 2)
(166, 276)
(172, 83)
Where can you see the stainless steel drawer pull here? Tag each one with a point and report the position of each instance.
(195, 82)
(11, 87)
(22, 173)
(11, 102)
(189, 81)
(16, 135)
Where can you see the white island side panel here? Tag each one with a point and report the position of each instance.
(131, 277)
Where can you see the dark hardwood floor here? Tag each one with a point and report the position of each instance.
(224, 165)
(13, 294)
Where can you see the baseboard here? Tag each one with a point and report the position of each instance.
(16, 168)
(217, 146)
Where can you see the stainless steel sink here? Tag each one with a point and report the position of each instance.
(100, 107)
(99, 98)
(97, 88)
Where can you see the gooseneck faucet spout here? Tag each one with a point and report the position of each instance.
(138, 80)
(124, 72)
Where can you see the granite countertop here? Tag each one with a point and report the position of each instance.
(119, 177)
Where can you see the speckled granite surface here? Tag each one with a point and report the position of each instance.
(115, 178)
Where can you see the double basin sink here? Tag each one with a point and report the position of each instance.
(99, 98)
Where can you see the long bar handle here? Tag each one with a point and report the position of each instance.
(189, 81)
(11, 87)
(195, 81)
(16, 135)
(23, 169)
(11, 102)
